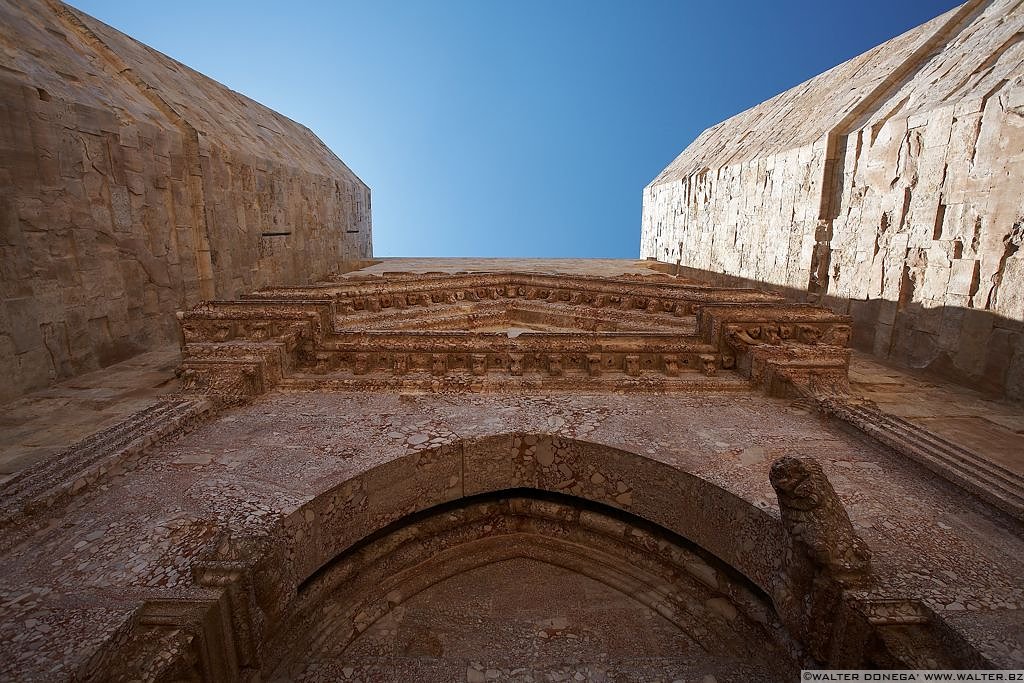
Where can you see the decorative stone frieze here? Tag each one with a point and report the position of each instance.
(495, 326)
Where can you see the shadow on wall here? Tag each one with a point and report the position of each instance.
(973, 347)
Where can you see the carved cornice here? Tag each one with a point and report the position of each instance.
(509, 284)
(409, 327)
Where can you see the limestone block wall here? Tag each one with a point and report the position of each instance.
(133, 187)
(888, 187)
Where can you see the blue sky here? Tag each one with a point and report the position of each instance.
(515, 128)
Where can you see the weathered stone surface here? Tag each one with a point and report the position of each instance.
(493, 329)
(134, 186)
(371, 458)
(891, 180)
(314, 472)
(476, 469)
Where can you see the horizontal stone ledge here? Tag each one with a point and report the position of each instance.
(497, 342)
(503, 281)
(425, 383)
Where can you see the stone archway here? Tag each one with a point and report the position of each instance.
(682, 503)
(714, 566)
(298, 570)
(551, 562)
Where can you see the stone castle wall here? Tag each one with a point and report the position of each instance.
(888, 187)
(134, 187)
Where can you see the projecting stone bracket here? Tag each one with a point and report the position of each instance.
(792, 371)
(229, 568)
(825, 578)
(182, 639)
(210, 633)
(823, 560)
(228, 380)
(785, 349)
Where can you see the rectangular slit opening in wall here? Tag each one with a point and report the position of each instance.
(275, 234)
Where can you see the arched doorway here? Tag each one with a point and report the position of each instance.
(691, 569)
(530, 585)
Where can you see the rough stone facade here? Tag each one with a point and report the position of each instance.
(134, 186)
(887, 188)
(444, 469)
(509, 471)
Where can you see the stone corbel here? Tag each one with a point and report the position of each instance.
(172, 640)
(213, 632)
(793, 370)
(824, 559)
(360, 363)
(224, 380)
(229, 568)
(400, 363)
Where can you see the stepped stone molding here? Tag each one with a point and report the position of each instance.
(135, 186)
(106, 453)
(980, 476)
(353, 332)
(886, 188)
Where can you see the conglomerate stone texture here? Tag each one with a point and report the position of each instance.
(42, 423)
(72, 584)
(540, 614)
(134, 186)
(509, 470)
(887, 187)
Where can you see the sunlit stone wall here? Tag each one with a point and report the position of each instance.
(889, 187)
(134, 186)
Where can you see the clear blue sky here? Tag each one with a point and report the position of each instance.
(515, 128)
